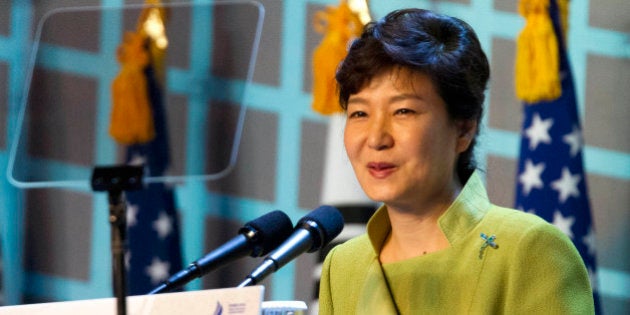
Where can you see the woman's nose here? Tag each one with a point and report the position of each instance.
(380, 137)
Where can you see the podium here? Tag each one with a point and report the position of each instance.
(218, 301)
(242, 301)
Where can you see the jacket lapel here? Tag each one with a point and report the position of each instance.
(375, 297)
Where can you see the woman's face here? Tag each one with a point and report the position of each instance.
(401, 142)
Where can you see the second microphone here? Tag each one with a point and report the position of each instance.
(314, 231)
(256, 238)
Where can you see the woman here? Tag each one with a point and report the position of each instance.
(413, 87)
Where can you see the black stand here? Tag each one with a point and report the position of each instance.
(116, 180)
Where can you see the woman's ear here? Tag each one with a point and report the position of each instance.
(466, 129)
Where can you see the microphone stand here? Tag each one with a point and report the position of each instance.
(116, 180)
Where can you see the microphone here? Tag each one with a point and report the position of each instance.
(256, 238)
(311, 233)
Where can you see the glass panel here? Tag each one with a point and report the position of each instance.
(196, 95)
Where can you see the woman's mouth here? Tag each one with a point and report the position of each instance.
(380, 169)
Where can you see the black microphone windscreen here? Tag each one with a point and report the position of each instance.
(330, 222)
(272, 229)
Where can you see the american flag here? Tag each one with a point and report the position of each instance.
(551, 181)
(154, 250)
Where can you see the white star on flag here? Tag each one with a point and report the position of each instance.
(530, 178)
(163, 225)
(127, 259)
(158, 270)
(132, 213)
(589, 241)
(137, 160)
(564, 224)
(574, 140)
(538, 131)
(567, 185)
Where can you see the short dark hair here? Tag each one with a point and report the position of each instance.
(443, 47)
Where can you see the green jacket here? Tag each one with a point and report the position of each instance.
(534, 269)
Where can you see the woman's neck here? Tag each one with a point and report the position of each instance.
(412, 236)
(415, 233)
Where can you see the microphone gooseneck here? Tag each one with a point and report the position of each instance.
(311, 233)
(256, 238)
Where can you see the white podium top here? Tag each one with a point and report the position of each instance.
(242, 301)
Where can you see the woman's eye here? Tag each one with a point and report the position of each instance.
(404, 111)
(356, 114)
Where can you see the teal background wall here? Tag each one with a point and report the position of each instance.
(55, 242)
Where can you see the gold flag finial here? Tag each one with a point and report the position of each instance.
(362, 9)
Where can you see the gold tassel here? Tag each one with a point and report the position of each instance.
(537, 55)
(132, 117)
(339, 25)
